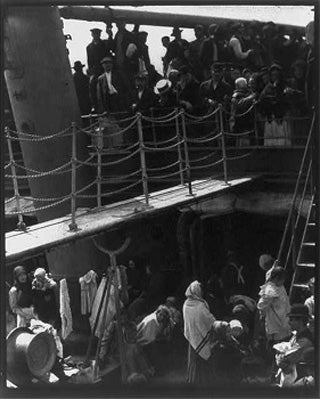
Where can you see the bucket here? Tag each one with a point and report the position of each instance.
(29, 355)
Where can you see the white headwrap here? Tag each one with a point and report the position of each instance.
(198, 320)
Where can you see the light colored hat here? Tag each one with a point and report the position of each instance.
(40, 272)
(162, 86)
(236, 324)
(241, 83)
(266, 261)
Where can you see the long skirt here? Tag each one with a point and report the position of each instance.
(200, 371)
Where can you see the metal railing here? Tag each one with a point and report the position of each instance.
(162, 149)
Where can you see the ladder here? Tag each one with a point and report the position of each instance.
(305, 263)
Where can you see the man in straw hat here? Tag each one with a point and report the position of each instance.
(167, 97)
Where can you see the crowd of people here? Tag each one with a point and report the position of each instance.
(217, 331)
(255, 70)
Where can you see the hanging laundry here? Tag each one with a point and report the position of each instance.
(88, 285)
(65, 310)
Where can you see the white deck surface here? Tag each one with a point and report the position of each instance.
(54, 232)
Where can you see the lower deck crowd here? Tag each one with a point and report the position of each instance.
(213, 332)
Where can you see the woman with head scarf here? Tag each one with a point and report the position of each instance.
(20, 297)
(198, 325)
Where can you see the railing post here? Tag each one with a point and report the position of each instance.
(99, 167)
(186, 153)
(73, 225)
(21, 224)
(143, 159)
(223, 143)
(179, 147)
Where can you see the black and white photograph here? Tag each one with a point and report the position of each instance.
(160, 199)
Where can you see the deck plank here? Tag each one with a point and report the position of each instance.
(55, 232)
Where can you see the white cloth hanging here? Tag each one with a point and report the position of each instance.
(65, 310)
(108, 311)
(88, 286)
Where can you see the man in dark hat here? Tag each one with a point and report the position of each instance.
(96, 50)
(111, 89)
(194, 52)
(291, 353)
(125, 56)
(215, 91)
(177, 47)
(188, 90)
(239, 53)
(209, 51)
(81, 82)
(144, 96)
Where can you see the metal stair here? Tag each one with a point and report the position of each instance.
(297, 252)
(305, 263)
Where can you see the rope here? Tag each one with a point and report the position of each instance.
(207, 165)
(167, 175)
(8, 165)
(201, 159)
(38, 173)
(247, 133)
(116, 178)
(200, 141)
(238, 156)
(163, 148)
(111, 163)
(112, 134)
(42, 208)
(85, 188)
(200, 118)
(239, 115)
(163, 167)
(160, 120)
(162, 117)
(9, 200)
(35, 137)
(162, 142)
(112, 192)
(47, 199)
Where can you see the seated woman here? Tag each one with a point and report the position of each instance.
(20, 297)
(153, 337)
(137, 367)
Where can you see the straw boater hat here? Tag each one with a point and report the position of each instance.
(29, 355)
(162, 86)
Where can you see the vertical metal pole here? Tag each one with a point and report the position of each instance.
(256, 126)
(21, 225)
(186, 153)
(73, 225)
(293, 251)
(154, 136)
(119, 325)
(223, 141)
(179, 147)
(99, 167)
(143, 159)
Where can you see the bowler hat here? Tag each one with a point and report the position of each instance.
(217, 66)
(106, 59)
(78, 64)
(162, 86)
(29, 355)
(96, 30)
(299, 310)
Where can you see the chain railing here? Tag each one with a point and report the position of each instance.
(148, 149)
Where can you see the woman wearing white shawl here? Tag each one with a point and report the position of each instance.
(198, 324)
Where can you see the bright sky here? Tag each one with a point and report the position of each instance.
(81, 35)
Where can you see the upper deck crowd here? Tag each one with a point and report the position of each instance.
(234, 64)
